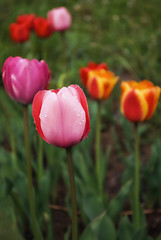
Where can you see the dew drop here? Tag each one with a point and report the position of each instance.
(78, 115)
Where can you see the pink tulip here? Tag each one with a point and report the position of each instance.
(59, 19)
(23, 78)
(61, 116)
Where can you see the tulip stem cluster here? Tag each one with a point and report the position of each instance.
(36, 231)
(98, 146)
(73, 195)
(137, 181)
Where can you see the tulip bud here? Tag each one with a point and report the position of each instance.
(139, 100)
(59, 19)
(61, 116)
(23, 78)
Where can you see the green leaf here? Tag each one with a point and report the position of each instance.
(8, 229)
(141, 234)
(159, 237)
(116, 204)
(88, 234)
(92, 205)
(101, 228)
(125, 231)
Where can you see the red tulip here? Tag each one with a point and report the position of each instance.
(61, 116)
(27, 20)
(18, 32)
(42, 27)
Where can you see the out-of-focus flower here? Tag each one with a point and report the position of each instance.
(61, 116)
(18, 32)
(23, 78)
(27, 20)
(84, 71)
(42, 27)
(98, 80)
(59, 19)
(139, 100)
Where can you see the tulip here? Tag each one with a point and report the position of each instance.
(18, 32)
(59, 19)
(61, 116)
(139, 100)
(27, 20)
(42, 27)
(138, 103)
(23, 78)
(62, 119)
(98, 80)
(84, 71)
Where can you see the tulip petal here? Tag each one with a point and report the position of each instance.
(134, 106)
(83, 101)
(152, 96)
(94, 88)
(36, 109)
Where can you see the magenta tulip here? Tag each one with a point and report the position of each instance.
(59, 19)
(23, 78)
(61, 116)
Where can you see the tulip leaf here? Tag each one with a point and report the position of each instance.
(116, 204)
(8, 229)
(159, 237)
(125, 231)
(102, 227)
(141, 234)
(88, 234)
(92, 205)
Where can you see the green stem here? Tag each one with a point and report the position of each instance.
(98, 146)
(73, 195)
(36, 231)
(40, 159)
(137, 181)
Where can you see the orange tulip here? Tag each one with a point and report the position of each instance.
(91, 66)
(139, 100)
(98, 80)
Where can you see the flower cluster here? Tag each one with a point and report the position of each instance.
(59, 19)
(138, 99)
